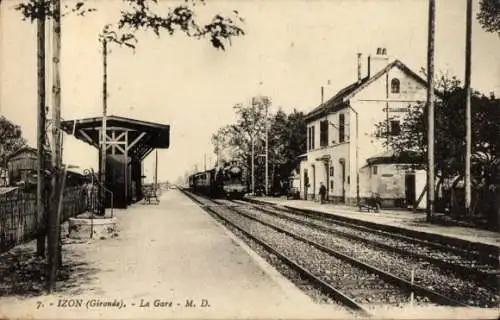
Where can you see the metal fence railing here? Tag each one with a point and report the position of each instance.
(18, 220)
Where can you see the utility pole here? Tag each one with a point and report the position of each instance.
(156, 170)
(205, 161)
(253, 146)
(468, 136)
(104, 123)
(40, 188)
(357, 153)
(430, 110)
(54, 225)
(267, 149)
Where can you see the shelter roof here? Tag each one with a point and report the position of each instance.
(142, 136)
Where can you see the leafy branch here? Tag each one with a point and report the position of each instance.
(489, 15)
(34, 9)
(122, 39)
(182, 18)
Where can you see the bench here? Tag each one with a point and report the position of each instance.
(150, 197)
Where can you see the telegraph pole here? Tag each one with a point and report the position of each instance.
(40, 188)
(156, 170)
(468, 137)
(54, 225)
(430, 110)
(104, 123)
(253, 146)
(267, 149)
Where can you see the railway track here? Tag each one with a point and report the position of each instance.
(363, 286)
(464, 264)
(477, 258)
(399, 263)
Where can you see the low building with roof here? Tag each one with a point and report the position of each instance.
(22, 165)
(344, 148)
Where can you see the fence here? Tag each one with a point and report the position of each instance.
(18, 214)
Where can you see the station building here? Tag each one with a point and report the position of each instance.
(344, 151)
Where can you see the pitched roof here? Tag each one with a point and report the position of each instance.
(21, 150)
(338, 101)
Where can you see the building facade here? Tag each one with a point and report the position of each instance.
(344, 150)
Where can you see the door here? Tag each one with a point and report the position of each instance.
(327, 178)
(342, 179)
(410, 191)
(306, 183)
(314, 182)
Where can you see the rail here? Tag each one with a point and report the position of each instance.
(95, 202)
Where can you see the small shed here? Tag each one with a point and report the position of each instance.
(22, 165)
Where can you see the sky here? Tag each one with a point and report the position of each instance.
(291, 49)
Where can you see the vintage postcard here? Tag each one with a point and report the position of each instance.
(249, 159)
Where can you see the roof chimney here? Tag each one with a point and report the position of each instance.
(377, 62)
(359, 66)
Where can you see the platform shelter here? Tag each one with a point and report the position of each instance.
(128, 143)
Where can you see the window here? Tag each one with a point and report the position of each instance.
(375, 170)
(308, 138)
(394, 85)
(331, 171)
(331, 184)
(341, 128)
(323, 135)
(395, 128)
(312, 138)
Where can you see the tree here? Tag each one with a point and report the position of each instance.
(234, 142)
(11, 139)
(489, 15)
(287, 140)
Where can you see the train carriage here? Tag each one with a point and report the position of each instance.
(224, 181)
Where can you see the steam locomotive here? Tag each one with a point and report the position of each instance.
(225, 181)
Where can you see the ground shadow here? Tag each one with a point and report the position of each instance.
(447, 221)
(23, 273)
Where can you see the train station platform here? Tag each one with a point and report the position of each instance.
(170, 260)
(396, 220)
